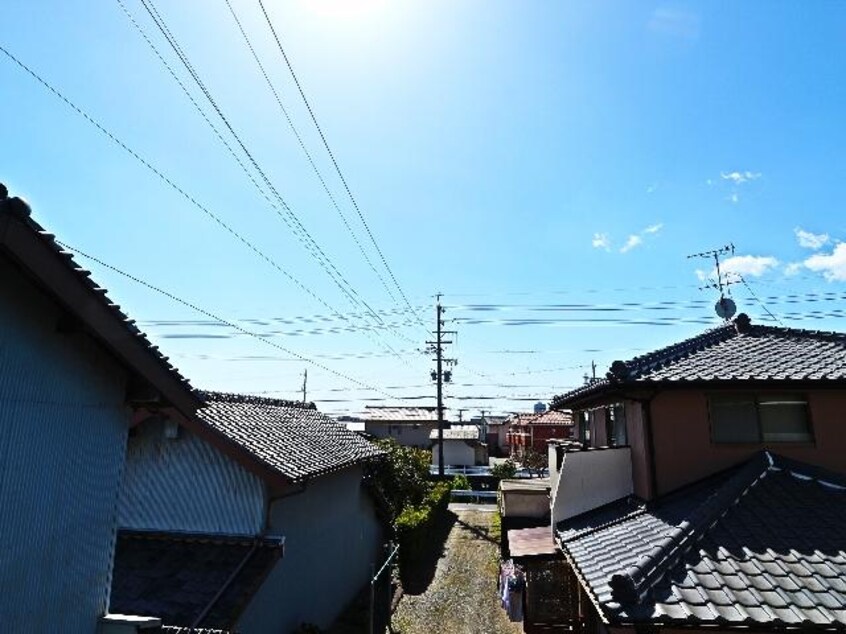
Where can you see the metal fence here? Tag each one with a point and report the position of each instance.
(382, 594)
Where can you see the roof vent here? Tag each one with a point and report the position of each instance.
(742, 323)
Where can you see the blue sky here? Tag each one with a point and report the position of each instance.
(530, 160)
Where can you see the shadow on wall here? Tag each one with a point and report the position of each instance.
(419, 571)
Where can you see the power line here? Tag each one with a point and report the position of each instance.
(335, 162)
(191, 199)
(305, 150)
(289, 217)
(212, 315)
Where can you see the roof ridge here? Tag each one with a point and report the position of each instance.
(209, 396)
(827, 335)
(636, 582)
(673, 352)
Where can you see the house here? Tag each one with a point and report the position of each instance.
(409, 426)
(74, 370)
(532, 431)
(462, 447)
(710, 489)
(497, 434)
(250, 516)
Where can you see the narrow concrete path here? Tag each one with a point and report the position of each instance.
(462, 597)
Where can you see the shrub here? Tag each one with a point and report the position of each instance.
(461, 483)
(505, 469)
(414, 523)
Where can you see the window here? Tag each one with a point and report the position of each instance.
(745, 418)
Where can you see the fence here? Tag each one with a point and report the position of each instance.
(381, 595)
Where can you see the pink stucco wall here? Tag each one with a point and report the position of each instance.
(684, 452)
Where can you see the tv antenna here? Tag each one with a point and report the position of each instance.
(725, 306)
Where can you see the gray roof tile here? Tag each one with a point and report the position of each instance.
(728, 353)
(291, 438)
(761, 544)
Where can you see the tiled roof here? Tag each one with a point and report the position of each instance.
(457, 432)
(290, 438)
(550, 417)
(177, 577)
(16, 240)
(376, 413)
(760, 546)
(737, 351)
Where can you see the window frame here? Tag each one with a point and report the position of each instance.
(756, 397)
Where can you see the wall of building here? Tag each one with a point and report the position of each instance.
(457, 453)
(186, 484)
(684, 451)
(63, 426)
(332, 538)
(638, 441)
(408, 435)
(589, 479)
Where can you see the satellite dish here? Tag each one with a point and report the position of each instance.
(725, 308)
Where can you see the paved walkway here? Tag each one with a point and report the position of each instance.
(462, 597)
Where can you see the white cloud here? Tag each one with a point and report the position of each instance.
(811, 240)
(633, 241)
(793, 268)
(601, 241)
(832, 265)
(740, 177)
(733, 198)
(652, 188)
(654, 228)
(753, 265)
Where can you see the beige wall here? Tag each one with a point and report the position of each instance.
(684, 451)
(636, 432)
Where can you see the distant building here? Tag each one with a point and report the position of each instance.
(532, 431)
(462, 446)
(409, 426)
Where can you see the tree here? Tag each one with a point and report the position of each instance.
(535, 461)
(401, 478)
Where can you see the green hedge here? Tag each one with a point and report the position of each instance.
(414, 524)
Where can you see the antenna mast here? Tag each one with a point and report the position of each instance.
(724, 307)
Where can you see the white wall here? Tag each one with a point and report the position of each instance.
(186, 484)
(588, 479)
(408, 435)
(332, 537)
(457, 453)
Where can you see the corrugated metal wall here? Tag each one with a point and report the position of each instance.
(185, 484)
(62, 446)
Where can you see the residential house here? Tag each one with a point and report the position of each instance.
(250, 516)
(710, 493)
(496, 431)
(462, 447)
(74, 370)
(533, 431)
(409, 426)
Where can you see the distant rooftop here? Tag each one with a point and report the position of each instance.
(391, 413)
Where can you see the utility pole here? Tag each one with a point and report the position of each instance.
(305, 382)
(439, 375)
